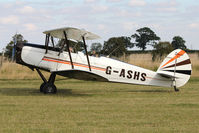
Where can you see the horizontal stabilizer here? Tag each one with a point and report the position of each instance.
(166, 75)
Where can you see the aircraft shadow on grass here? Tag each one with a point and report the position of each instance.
(69, 92)
(35, 92)
(147, 91)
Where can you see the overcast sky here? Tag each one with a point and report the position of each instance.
(107, 18)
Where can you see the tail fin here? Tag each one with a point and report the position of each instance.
(177, 66)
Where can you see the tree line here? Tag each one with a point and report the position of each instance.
(118, 46)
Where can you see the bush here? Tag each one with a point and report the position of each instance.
(161, 50)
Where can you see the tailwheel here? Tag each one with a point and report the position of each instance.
(49, 88)
(174, 85)
(176, 89)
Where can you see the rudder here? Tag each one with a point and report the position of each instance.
(176, 65)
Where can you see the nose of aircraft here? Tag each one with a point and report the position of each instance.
(19, 47)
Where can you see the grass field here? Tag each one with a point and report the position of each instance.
(82, 106)
(96, 107)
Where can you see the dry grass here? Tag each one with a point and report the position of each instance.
(143, 60)
(11, 70)
(195, 64)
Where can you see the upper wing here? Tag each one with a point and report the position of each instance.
(72, 33)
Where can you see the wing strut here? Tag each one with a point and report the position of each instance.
(47, 42)
(67, 44)
(52, 40)
(86, 53)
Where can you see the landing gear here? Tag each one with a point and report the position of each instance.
(176, 89)
(174, 79)
(174, 85)
(42, 86)
(47, 86)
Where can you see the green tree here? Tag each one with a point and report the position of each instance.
(10, 45)
(178, 42)
(161, 49)
(145, 37)
(77, 46)
(117, 46)
(97, 47)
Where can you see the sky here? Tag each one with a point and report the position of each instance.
(106, 18)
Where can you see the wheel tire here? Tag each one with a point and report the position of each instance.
(49, 88)
(42, 87)
(54, 89)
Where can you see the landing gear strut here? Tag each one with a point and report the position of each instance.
(176, 89)
(174, 85)
(47, 86)
(174, 80)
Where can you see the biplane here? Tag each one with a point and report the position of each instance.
(174, 71)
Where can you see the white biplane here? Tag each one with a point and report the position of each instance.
(174, 71)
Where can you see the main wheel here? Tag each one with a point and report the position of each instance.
(42, 87)
(49, 88)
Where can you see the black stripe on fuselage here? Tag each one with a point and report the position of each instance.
(41, 46)
(187, 72)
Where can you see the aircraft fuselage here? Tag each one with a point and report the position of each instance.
(102, 68)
